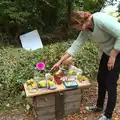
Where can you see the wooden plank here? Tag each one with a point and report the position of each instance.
(74, 91)
(59, 106)
(45, 100)
(46, 117)
(71, 107)
(45, 111)
(58, 89)
(72, 98)
(34, 108)
(72, 95)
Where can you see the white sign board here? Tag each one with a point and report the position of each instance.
(31, 40)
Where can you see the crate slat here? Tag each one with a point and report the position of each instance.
(71, 108)
(46, 117)
(45, 100)
(72, 95)
(45, 110)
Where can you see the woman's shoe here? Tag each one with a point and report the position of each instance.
(104, 118)
(94, 109)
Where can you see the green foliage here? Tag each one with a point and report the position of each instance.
(40, 14)
(88, 5)
(4, 39)
(87, 59)
(78, 5)
(93, 5)
(118, 7)
(12, 13)
(62, 11)
(25, 14)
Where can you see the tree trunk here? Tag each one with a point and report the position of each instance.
(69, 12)
(17, 34)
(49, 15)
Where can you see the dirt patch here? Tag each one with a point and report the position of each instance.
(15, 115)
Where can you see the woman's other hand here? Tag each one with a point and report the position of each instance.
(111, 62)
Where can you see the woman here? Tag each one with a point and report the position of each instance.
(105, 30)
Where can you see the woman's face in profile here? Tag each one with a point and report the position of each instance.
(84, 26)
(81, 21)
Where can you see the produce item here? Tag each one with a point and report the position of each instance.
(72, 72)
(41, 84)
(34, 85)
(51, 84)
(57, 73)
(82, 78)
(31, 85)
(57, 77)
(79, 77)
(29, 82)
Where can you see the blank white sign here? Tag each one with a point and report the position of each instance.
(31, 40)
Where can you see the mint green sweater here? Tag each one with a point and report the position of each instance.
(106, 33)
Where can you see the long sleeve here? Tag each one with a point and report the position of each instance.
(81, 39)
(112, 27)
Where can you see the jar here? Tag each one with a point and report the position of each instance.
(58, 76)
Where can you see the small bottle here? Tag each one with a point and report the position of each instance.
(47, 76)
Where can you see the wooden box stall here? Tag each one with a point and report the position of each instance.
(57, 105)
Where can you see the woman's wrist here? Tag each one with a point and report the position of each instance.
(114, 53)
(66, 56)
(112, 57)
(60, 62)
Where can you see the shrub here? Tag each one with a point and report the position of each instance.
(87, 59)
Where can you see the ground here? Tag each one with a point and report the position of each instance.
(89, 98)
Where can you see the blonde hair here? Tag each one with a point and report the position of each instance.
(79, 17)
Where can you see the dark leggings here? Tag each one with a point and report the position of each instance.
(107, 81)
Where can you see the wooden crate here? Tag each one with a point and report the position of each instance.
(44, 107)
(72, 101)
(57, 105)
